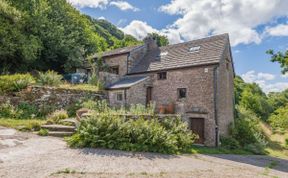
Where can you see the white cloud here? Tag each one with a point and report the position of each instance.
(263, 79)
(284, 75)
(239, 18)
(138, 29)
(102, 4)
(89, 3)
(279, 30)
(252, 76)
(123, 5)
(101, 18)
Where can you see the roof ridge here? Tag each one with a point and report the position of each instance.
(196, 40)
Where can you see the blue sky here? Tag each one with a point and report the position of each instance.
(253, 28)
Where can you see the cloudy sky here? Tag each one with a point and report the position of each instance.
(253, 26)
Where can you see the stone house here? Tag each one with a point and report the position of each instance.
(196, 76)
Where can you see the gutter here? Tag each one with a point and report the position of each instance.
(215, 86)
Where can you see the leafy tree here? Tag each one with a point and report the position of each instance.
(278, 99)
(279, 119)
(281, 58)
(160, 39)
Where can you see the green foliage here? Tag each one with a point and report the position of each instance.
(229, 143)
(161, 40)
(281, 58)
(279, 119)
(114, 132)
(254, 99)
(278, 99)
(15, 83)
(49, 78)
(286, 142)
(23, 125)
(57, 116)
(138, 109)
(21, 111)
(52, 35)
(43, 132)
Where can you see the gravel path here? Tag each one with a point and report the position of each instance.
(27, 155)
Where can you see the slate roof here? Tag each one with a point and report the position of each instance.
(118, 51)
(178, 55)
(127, 82)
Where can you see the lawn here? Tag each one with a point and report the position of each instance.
(24, 125)
(85, 87)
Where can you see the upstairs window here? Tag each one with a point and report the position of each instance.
(114, 70)
(162, 75)
(119, 97)
(182, 93)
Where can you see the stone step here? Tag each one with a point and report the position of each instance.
(59, 134)
(60, 128)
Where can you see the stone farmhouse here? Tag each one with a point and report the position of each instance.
(193, 78)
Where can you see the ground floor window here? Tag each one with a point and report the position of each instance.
(182, 93)
(119, 96)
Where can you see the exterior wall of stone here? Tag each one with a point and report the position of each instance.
(225, 94)
(118, 60)
(199, 82)
(112, 98)
(54, 98)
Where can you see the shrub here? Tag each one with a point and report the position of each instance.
(57, 116)
(286, 142)
(8, 111)
(279, 119)
(27, 110)
(114, 132)
(229, 143)
(43, 132)
(49, 78)
(15, 83)
(101, 106)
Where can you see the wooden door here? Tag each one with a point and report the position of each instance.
(148, 95)
(197, 127)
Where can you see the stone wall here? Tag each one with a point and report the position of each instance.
(50, 97)
(135, 56)
(118, 60)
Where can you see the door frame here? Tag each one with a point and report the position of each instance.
(149, 91)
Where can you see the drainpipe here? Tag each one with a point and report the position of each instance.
(215, 86)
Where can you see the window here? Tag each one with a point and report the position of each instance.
(162, 76)
(119, 96)
(194, 49)
(114, 70)
(182, 93)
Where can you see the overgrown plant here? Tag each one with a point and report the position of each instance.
(114, 132)
(49, 78)
(15, 83)
(57, 116)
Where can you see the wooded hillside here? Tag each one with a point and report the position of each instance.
(45, 34)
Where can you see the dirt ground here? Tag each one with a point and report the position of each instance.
(27, 156)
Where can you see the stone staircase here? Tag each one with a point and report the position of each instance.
(59, 130)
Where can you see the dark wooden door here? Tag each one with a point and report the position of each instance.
(148, 95)
(197, 127)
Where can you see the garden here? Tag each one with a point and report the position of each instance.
(258, 129)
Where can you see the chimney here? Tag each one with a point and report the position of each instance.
(150, 43)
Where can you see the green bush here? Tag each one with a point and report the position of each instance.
(27, 111)
(15, 83)
(43, 132)
(57, 116)
(286, 142)
(279, 119)
(8, 111)
(229, 143)
(49, 78)
(114, 132)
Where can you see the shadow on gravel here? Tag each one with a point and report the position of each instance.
(117, 153)
(258, 160)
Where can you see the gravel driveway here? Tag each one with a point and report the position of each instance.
(27, 155)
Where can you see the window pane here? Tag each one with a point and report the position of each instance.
(182, 93)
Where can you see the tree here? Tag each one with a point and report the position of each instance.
(160, 39)
(281, 58)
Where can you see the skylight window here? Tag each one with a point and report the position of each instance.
(194, 49)
(164, 53)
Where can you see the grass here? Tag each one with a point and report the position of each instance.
(24, 125)
(85, 87)
(219, 150)
(276, 142)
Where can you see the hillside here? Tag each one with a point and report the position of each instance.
(43, 34)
